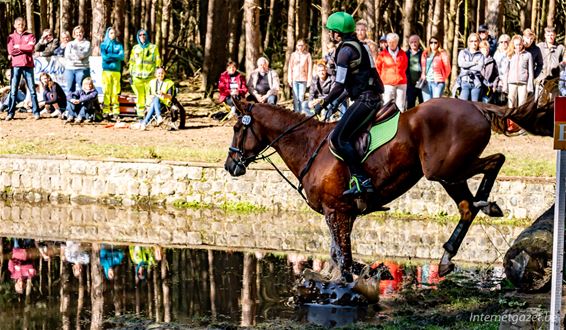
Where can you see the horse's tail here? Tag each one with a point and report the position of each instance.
(536, 115)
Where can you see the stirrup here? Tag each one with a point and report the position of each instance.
(358, 186)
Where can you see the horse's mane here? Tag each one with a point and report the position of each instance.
(536, 115)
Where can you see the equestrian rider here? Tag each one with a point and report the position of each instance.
(355, 74)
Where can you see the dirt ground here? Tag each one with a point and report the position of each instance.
(204, 132)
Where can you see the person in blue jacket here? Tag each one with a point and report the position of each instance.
(110, 258)
(112, 56)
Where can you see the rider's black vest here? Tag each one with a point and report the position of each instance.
(362, 75)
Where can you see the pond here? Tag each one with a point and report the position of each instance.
(102, 267)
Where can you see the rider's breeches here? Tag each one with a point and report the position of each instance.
(355, 119)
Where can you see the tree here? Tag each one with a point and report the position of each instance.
(251, 12)
(408, 13)
(325, 7)
(43, 24)
(290, 38)
(165, 20)
(98, 28)
(438, 19)
(65, 16)
(215, 48)
(29, 16)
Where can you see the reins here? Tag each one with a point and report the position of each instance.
(263, 156)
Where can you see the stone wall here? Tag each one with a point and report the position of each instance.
(127, 183)
(299, 232)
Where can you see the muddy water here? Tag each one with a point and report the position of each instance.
(83, 266)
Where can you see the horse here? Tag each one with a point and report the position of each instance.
(441, 139)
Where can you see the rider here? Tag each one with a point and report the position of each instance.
(356, 74)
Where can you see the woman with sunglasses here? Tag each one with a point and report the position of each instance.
(435, 64)
(470, 62)
(144, 59)
(77, 66)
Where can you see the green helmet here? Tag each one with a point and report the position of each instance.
(341, 22)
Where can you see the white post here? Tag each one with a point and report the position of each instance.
(558, 242)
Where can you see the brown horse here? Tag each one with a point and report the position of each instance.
(441, 139)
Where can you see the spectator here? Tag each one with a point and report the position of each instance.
(518, 80)
(329, 58)
(65, 39)
(144, 59)
(470, 62)
(144, 258)
(109, 259)
(5, 91)
(436, 67)
(83, 104)
(47, 45)
(76, 254)
(231, 84)
(27, 104)
(77, 53)
(112, 56)
(299, 73)
(562, 83)
(483, 34)
(529, 39)
(263, 83)
(392, 66)
(501, 52)
(321, 85)
(382, 43)
(362, 31)
(161, 92)
(489, 73)
(20, 49)
(21, 268)
(414, 71)
(54, 98)
(552, 54)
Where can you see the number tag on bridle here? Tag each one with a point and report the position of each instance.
(246, 120)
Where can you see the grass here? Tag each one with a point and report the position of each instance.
(515, 166)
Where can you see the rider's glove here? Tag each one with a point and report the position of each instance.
(318, 107)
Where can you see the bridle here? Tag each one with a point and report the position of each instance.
(242, 160)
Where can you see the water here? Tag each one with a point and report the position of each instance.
(100, 267)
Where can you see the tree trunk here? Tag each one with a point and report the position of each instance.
(534, 13)
(165, 20)
(65, 16)
(147, 19)
(438, 20)
(303, 11)
(454, 53)
(98, 28)
(325, 8)
(407, 22)
(43, 18)
(82, 14)
(52, 16)
(137, 4)
(290, 39)
(551, 13)
(369, 16)
(451, 31)
(494, 16)
(251, 13)
(29, 16)
(378, 20)
(155, 24)
(120, 18)
(249, 290)
(97, 290)
(528, 262)
(234, 26)
(215, 48)
(127, 32)
(269, 26)
(430, 19)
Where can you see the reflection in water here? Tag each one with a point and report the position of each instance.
(48, 285)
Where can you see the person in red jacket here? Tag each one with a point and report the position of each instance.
(21, 45)
(21, 268)
(231, 84)
(435, 64)
(391, 65)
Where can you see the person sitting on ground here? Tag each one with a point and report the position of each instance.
(27, 104)
(112, 56)
(83, 104)
(231, 84)
(21, 268)
(65, 39)
(54, 98)
(263, 83)
(161, 92)
(5, 92)
(47, 45)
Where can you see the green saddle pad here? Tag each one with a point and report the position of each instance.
(382, 133)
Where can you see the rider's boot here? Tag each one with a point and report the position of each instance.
(359, 184)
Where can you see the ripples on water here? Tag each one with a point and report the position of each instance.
(78, 284)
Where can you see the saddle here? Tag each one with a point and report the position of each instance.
(379, 131)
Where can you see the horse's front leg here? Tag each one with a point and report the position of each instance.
(340, 225)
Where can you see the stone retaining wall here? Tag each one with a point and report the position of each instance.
(118, 182)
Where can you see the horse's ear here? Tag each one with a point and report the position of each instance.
(240, 105)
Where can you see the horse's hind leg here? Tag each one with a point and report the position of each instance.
(469, 206)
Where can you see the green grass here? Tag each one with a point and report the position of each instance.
(515, 166)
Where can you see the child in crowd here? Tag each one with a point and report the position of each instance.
(54, 98)
(83, 104)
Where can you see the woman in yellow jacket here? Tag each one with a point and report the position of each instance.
(144, 59)
(161, 92)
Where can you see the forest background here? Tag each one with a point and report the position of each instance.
(197, 37)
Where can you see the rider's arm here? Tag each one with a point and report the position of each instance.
(345, 56)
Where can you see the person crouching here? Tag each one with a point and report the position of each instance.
(83, 104)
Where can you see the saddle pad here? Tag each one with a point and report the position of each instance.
(382, 133)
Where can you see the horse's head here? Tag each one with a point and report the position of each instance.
(246, 143)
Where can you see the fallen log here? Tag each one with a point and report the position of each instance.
(528, 262)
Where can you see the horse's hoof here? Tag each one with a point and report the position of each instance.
(492, 209)
(445, 269)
